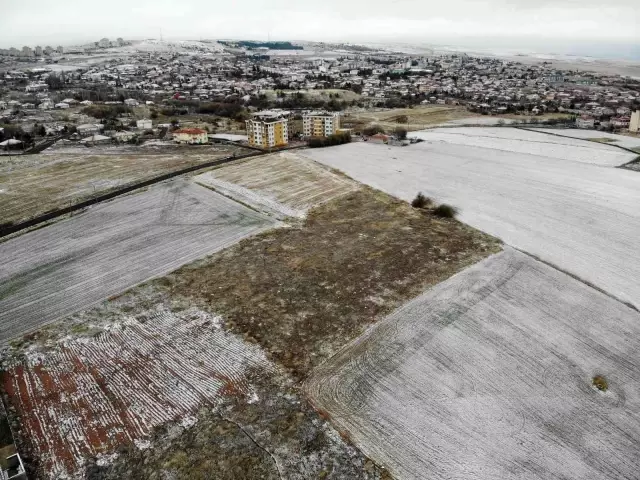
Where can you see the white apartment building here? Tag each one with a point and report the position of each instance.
(268, 129)
(320, 124)
(634, 124)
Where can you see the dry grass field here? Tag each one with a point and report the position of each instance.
(34, 184)
(419, 117)
(282, 184)
(426, 116)
(508, 370)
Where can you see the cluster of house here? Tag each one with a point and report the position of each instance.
(491, 86)
(38, 51)
(270, 128)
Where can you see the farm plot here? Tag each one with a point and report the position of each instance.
(582, 218)
(622, 140)
(149, 386)
(531, 143)
(55, 271)
(492, 374)
(84, 395)
(284, 184)
(298, 293)
(34, 184)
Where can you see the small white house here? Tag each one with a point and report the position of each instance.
(88, 128)
(144, 124)
(131, 102)
(95, 140)
(45, 105)
(191, 136)
(585, 121)
(123, 136)
(62, 105)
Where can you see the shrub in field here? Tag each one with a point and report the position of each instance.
(372, 130)
(600, 383)
(446, 211)
(420, 201)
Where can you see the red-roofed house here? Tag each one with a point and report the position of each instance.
(191, 136)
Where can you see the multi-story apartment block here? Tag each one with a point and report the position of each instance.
(320, 124)
(268, 129)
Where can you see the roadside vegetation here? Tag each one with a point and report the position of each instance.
(331, 140)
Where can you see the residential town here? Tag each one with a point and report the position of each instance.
(269, 98)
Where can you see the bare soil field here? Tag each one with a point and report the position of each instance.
(147, 386)
(34, 184)
(490, 375)
(52, 272)
(85, 394)
(198, 373)
(577, 215)
(282, 184)
(419, 117)
(426, 116)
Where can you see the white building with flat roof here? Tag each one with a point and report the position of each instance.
(320, 124)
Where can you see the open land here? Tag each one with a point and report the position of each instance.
(529, 142)
(34, 184)
(575, 214)
(489, 375)
(419, 117)
(626, 141)
(295, 294)
(282, 184)
(54, 271)
(426, 116)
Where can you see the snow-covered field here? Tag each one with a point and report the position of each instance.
(87, 394)
(168, 46)
(622, 140)
(489, 376)
(582, 217)
(54, 271)
(532, 143)
(281, 184)
(485, 121)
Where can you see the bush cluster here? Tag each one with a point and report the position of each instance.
(443, 210)
(335, 139)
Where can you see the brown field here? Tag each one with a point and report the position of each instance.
(425, 116)
(302, 292)
(286, 183)
(215, 335)
(34, 184)
(419, 117)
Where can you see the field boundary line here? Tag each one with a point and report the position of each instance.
(578, 138)
(579, 279)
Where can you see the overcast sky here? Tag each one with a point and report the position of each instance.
(43, 22)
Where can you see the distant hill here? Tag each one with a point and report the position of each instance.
(250, 44)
